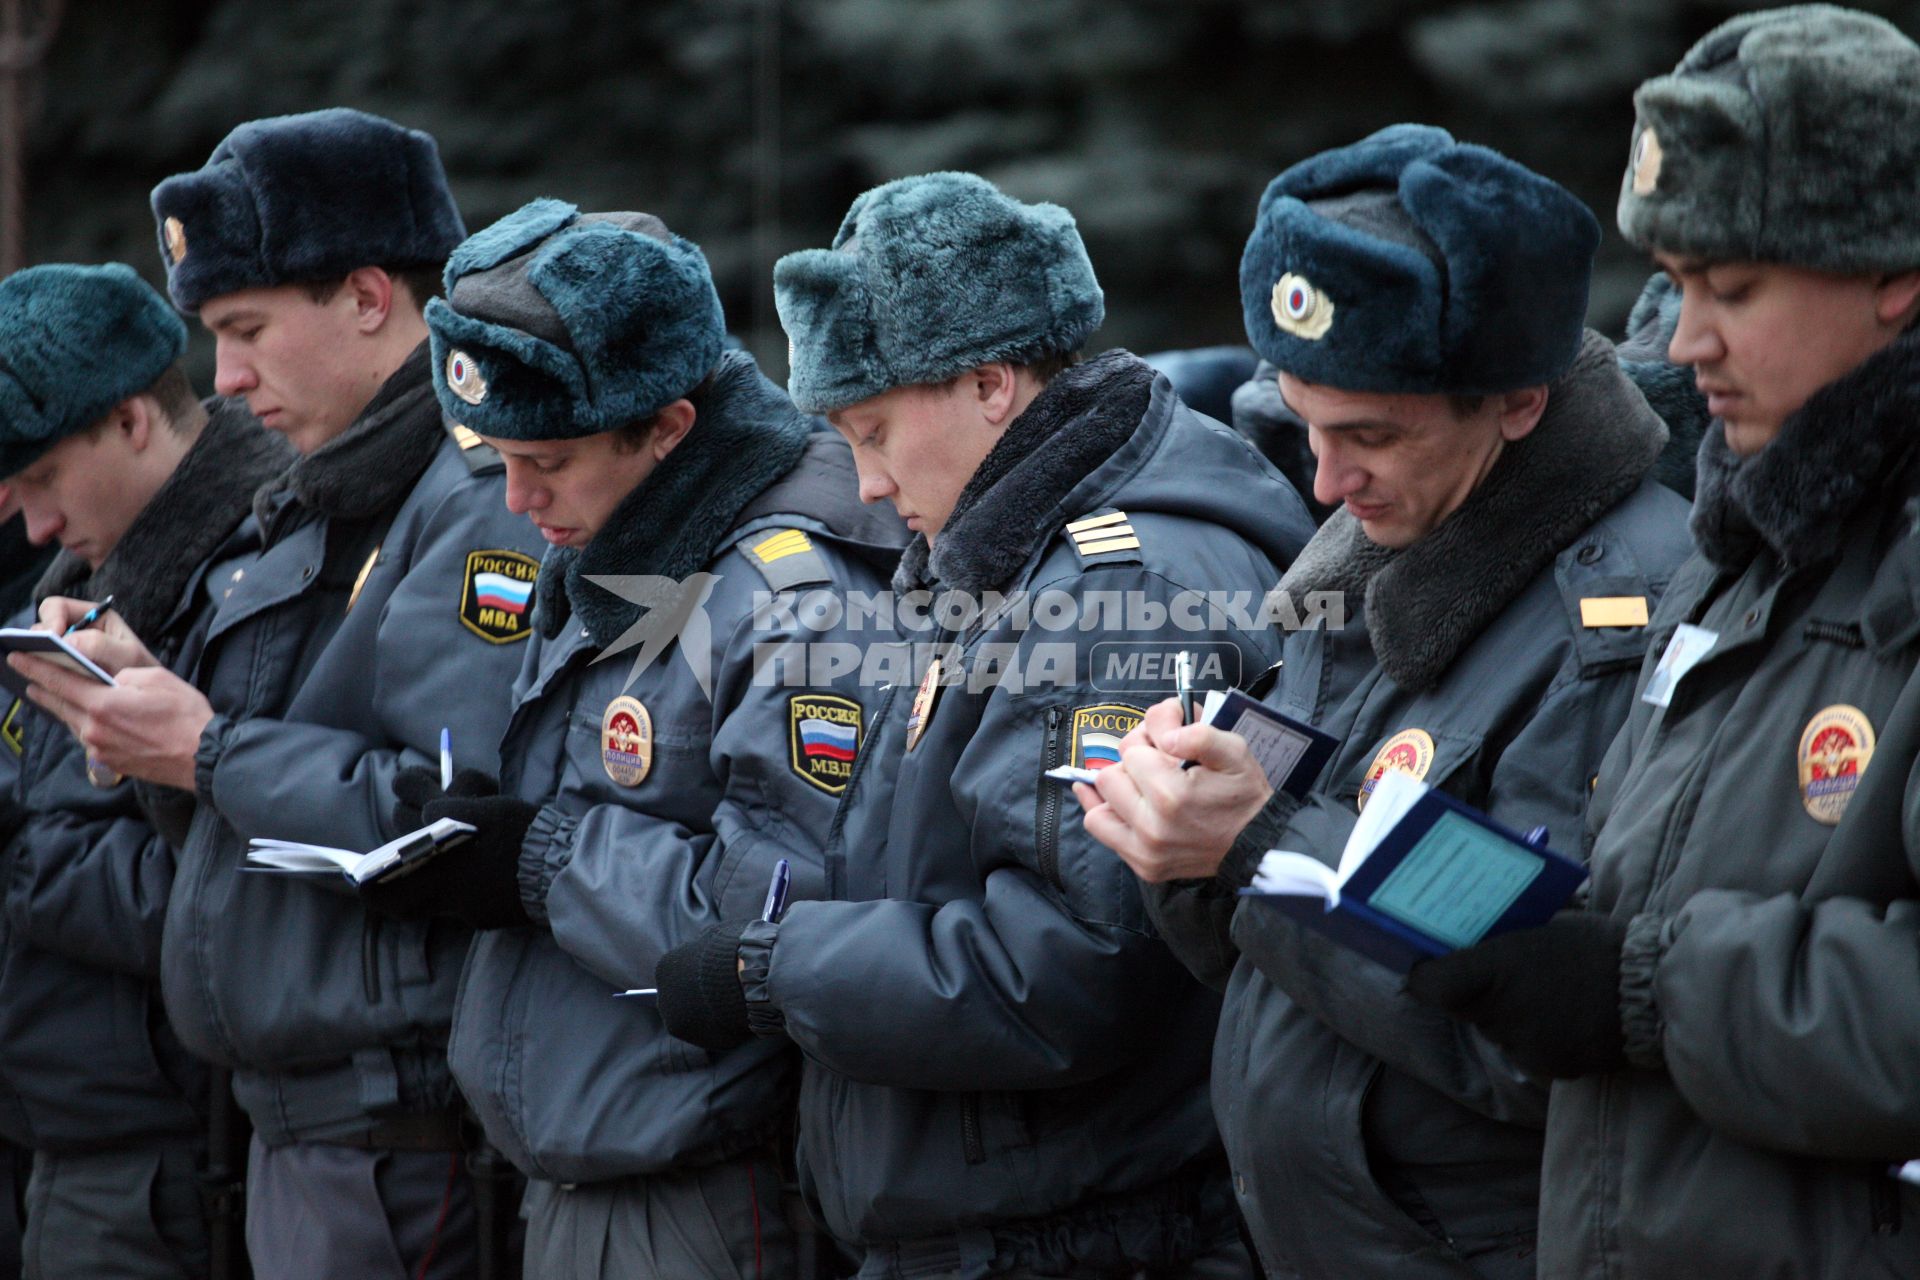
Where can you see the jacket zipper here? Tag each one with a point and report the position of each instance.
(835, 860)
(1046, 842)
(370, 957)
(974, 1147)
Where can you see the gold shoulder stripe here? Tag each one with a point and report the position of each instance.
(788, 542)
(353, 597)
(1088, 523)
(1128, 543)
(466, 437)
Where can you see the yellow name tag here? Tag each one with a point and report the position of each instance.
(1613, 611)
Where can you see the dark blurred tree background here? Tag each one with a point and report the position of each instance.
(749, 125)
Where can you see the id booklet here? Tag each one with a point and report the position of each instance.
(392, 859)
(47, 645)
(1421, 875)
(1291, 754)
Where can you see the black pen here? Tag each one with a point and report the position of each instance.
(90, 617)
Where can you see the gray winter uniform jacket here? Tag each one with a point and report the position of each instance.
(83, 1043)
(333, 662)
(1761, 837)
(622, 864)
(1370, 1136)
(1004, 1066)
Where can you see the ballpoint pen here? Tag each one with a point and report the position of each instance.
(446, 758)
(90, 617)
(771, 911)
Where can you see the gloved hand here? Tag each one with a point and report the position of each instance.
(701, 999)
(414, 788)
(477, 882)
(1549, 996)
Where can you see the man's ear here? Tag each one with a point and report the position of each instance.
(134, 418)
(670, 427)
(1897, 299)
(372, 293)
(996, 388)
(1520, 412)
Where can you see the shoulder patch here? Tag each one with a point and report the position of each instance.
(496, 598)
(824, 732)
(1097, 731)
(13, 729)
(1105, 537)
(786, 558)
(479, 455)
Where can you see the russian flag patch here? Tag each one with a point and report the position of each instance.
(824, 731)
(496, 600)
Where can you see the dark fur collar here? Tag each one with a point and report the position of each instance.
(1426, 603)
(1848, 440)
(372, 466)
(1076, 422)
(746, 436)
(185, 522)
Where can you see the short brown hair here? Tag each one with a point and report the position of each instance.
(422, 283)
(633, 437)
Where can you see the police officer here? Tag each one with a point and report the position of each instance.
(680, 494)
(307, 244)
(1732, 1025)
(110, 454)
(1005, 1069)
(1500, 541)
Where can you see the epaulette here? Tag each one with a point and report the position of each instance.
(13, 730)
(786, 558)
(480, 456)
(1105, 537)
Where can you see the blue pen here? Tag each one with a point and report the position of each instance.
(777, 893)
(446, 758)
(90, 617)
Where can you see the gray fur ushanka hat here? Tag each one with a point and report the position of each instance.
(928, 277)
(301, 200)
(1790, 135)
(1411, 263)
(560, 324)
(74, 342)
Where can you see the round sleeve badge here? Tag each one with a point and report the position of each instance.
(1408, 751)
(463, 377)
(1835, 748)
(626, 741)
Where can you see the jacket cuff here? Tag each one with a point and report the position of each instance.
(206, 757)
(544, 853)
(1640, 1017)
(756, 957)
(1251, 845)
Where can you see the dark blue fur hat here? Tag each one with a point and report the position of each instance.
(302, 200)
(74, 342)
(927, 278)
(1409, 262)
(559, 324)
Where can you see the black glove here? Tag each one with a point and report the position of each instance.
(477, 881)
(1549, 996)
(701, 999)
(415, 788)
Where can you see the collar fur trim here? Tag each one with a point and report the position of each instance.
(746, 436)
(1848, 440)
(1426, 603)
(196, 510)
(1076, 423)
